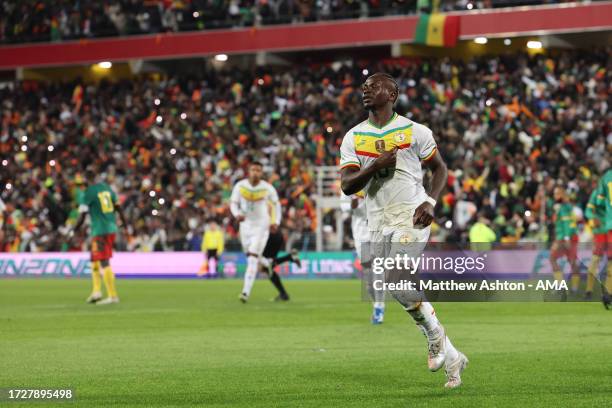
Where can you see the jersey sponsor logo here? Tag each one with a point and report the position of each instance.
(253, 195)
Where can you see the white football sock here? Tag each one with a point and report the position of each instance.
(430, 326)
(451, 352)
(425, 317)
(250, 274)
(264, 261)
(379, 305)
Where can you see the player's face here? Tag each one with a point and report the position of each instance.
(255, 173)
(558, 194)
(376, 92)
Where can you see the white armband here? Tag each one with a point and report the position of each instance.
(431, 201)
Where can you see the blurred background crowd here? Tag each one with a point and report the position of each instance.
(509, 127)
(46, 20)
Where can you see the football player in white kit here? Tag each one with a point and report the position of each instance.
(254, 204)
(355, 206)
(382, 155)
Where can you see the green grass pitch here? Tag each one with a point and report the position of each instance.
(191, 343)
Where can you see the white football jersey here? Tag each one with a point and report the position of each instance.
(391, 191)
(258, 204)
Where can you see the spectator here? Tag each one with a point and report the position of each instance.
(481, 235)
(173, 148)
(213, 243)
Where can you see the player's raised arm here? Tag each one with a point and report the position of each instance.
(353, 177)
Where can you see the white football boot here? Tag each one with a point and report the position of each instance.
(94, 297)
(454, 369)
(108, 301)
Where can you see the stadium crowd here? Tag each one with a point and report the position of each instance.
(44, 20)
(509, 127)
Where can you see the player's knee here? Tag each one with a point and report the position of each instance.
(105, 263)
(410, 300)
(252, 263)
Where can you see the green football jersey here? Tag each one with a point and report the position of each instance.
(565, 221)
(593, 212)
(100, 201)
(603, 200)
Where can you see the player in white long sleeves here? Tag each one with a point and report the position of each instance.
(383, 155)
(354, 205)
(255, 205)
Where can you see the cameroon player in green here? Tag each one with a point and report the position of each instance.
(101, 203)
(602, 207)
(566, 238)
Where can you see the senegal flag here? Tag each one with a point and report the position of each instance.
(437, 30)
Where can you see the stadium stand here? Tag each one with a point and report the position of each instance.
(38, 20)
(509, 127)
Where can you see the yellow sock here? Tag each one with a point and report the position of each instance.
(592, 275)
(96, 277)
(575, 279)
(109, 281)
(558, 275)
(609, 277)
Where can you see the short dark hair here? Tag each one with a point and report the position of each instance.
(256, 163)
(90, 175)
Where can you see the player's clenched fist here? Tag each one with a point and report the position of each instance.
(386, 159)
(423, 215)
